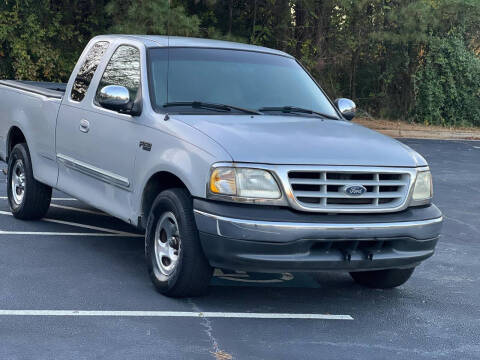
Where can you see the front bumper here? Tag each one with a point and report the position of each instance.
(272, 239)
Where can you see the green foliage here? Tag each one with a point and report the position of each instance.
(410, 59)
(151, 17)
(26, 39)
(41, 39)
(447, 84)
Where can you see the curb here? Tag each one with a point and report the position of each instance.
(434, 134)
(399, 129)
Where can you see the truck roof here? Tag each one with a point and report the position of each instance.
(178, 41)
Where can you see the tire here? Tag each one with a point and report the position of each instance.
(176, 263)
(28, 198)
(382, 279)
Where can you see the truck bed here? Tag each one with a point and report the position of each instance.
(48, 89)
(33, 108)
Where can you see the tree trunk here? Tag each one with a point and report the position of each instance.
(300, 23)
(282, 21)
(353, 74)
(230, 16)
(321, 28)
(252, 37)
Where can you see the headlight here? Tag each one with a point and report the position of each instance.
(423, 187)
(243, 183)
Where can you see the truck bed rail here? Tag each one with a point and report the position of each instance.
(48, 89)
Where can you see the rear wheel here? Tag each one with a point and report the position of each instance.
(382, 279)
(28, 198)
(176, 263)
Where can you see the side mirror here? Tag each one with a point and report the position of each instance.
(114, 97)
(347, 107)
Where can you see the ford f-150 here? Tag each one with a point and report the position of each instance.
(226, 155)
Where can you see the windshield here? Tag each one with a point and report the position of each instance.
(244, 79)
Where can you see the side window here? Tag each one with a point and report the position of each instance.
(123, 69)
(87, 70)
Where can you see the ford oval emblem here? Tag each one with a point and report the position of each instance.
(354, 190)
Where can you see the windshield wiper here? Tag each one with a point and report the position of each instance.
(294, 109)
(206, 105)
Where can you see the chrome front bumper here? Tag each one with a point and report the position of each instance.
(256, 238)
(281, 232)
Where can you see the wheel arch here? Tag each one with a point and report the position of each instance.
(157, 182)
(15, 136)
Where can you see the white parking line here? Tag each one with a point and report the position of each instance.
(193, 314)
(42, 233)
(90, 227)
(88, 211)
(53, 199)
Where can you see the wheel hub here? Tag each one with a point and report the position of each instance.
(18, 182)
(167, 243)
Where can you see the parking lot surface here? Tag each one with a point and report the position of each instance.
(79, 259)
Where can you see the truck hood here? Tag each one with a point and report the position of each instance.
(270, 139)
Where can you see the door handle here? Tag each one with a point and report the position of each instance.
(84, 126)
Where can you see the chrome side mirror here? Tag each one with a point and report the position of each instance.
(114, 97)
(347, 107)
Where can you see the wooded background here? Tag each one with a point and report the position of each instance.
(417, 60)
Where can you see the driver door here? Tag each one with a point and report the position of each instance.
(96, 147)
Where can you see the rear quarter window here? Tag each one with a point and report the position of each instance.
(87, 70)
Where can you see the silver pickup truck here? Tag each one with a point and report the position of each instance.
(226, 155)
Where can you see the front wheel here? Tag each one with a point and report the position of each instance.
(382, 279)
(28, 198)
(176, 263)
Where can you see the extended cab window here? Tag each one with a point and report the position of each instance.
(87, 70)
(123, 69)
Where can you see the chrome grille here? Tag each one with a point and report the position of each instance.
(326, 190)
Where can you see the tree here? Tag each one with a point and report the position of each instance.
(159, 17)
(447, 84)
(409, 59)
(27, 30)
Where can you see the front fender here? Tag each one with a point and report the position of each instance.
(188, 162)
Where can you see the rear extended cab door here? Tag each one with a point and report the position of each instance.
(96, 147)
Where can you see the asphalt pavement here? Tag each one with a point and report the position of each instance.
(74, 286)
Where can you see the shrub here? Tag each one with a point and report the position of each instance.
(447, 84)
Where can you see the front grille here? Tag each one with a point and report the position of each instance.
(327, 190)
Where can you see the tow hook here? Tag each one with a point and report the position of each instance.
(4, 171)
(348, 256)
